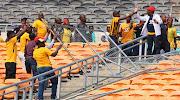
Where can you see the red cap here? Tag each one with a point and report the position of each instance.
(168, 18)
(65, 20)
(151, 8)
(37, 38)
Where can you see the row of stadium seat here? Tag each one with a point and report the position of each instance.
(61, 60)
(148, 86)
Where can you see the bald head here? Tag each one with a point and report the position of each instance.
(82, 18)
(40, 15)
(58, 21)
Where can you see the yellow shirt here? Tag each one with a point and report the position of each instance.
(11, 50)
(1, 40)
(23, 41)
(127, 34)
(41, 55)
(66, 36)
(172, 33)
(41, 28)
(114, 26)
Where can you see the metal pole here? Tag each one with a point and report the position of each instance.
(127, 77)
(31, 90)
(119, 49)
(64, 47)
(140, 50)
(16, 93)
(24, 93)
(59, 84)
(95, 51)
(145, 50)
(92, 71)
(84, 76)
(119, 65)
(97, 71)
(110, 92)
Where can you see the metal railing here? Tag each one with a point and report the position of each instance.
(85, 64)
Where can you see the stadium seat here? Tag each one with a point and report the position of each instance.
(159, 83)
(135, 94)
(140, 83)
(106, 98)
(122, 82)
(175, 94)
(107, 88)
(149, 88)
(2, 91)
(170, 89)
(96, 92)
(75, 65)
(151, 77)
(158, 93)
(169, 77)
(166, 62)
(76, 45)
(89, 61)
(20, 71)
(132, 87)
(159, 67)
(24, 77)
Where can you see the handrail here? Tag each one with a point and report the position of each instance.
(57, 69)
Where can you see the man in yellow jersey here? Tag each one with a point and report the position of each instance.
(1, 40)
(11, 49)
(127, 30)
(24, 39)
(172, 34)
(152, 29)
(114, 30)
(41, 55)
(40, 26)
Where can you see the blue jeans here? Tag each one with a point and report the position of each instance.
(31, 64)
(41, 85)
(129, 51)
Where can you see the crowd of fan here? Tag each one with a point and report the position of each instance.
(34, 55)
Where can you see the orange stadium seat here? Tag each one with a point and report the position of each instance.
(1, 81)
(76, 45)
(93, 44)
(24, 77)
(159, 67)
(124, 98)
(96, 92)
(89, 60)
(159, 83)
(158, 93)
(2, 76)
(161, 73)
(20, 71)
(8, 82)
(62, 63)
(57, 44)
(151, 77)
(75, 65)
(149, 88)
(2, 45)
(169, 77)
(137, 93)
(132, 87)
(140, 83)
(57, 58)
(105, 45)
(2, 91)
(175, 94)
(175, 57)
(122, 82)
(166, 62)
(105, 98)
(174, 82)
(109, 87)
(170, 89)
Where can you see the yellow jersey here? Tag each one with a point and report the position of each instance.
(23, 41)
(114, 30)
(41, 55)
(1, 40)
(127, 34)
(11, 50)
(41, 28)
(66, 36)
(172, 33)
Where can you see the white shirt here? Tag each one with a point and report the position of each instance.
(106, 38)
(157, 27)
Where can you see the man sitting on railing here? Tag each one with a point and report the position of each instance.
(41, 55)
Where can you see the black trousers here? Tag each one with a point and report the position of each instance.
(10, 70)
(156, 40)
(165, 46)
